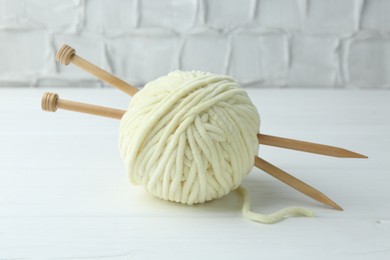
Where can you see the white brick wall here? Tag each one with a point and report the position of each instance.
(263, 43)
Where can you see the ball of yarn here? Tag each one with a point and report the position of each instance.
(189, 137)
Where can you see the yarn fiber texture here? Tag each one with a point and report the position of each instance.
(189, 137)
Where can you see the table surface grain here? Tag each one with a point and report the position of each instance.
(64, 193)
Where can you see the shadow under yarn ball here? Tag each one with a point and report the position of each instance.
(189, 137)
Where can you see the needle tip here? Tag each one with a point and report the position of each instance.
(351, 154)
(330, 202)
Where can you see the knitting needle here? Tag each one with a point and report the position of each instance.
(67, 54)
(51, 102)
(294, 182)
(307, 146)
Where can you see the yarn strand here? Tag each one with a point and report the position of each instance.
(271, 218)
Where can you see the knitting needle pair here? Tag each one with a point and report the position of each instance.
(51, 102)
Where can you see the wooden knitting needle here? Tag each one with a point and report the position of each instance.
(294, 182)
(307, 146)
(67, 54)
(51, 102)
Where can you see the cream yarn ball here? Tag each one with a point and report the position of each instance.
(189, 137)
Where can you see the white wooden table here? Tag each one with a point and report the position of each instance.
(64, 193)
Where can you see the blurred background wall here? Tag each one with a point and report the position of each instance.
(263, 43)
